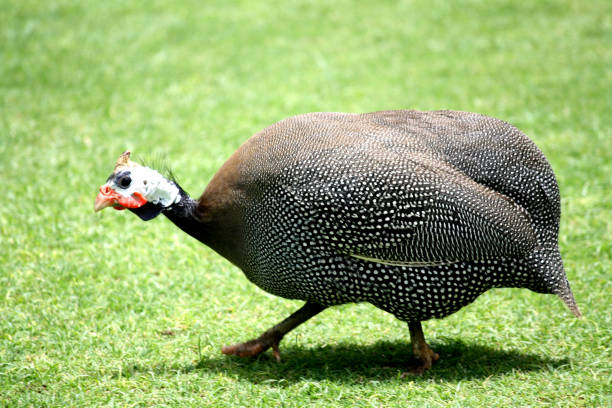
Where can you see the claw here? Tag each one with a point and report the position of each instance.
(253, 348)
(423, 354)
(421, 364)
(249, 349)
(273, 336)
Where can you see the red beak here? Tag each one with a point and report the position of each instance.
(108, 197)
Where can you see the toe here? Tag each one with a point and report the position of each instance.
(248, 349)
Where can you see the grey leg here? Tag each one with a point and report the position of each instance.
(273, 336)
(424, 355)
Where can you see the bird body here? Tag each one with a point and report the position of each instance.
(415, 212)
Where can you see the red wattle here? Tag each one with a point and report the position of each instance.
(136, 200)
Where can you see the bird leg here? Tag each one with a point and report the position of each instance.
(424, 355)
(273, 336)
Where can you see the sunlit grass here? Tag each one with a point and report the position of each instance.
(103, 309)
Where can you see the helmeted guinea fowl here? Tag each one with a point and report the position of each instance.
(415, 212)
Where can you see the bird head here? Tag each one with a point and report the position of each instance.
(140, 189)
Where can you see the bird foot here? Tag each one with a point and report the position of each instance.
(255, 347)
(423, 362)
(274, 335)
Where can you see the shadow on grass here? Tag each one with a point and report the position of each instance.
(347, 363)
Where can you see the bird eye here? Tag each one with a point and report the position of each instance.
(125, 181)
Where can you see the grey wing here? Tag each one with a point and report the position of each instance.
(420, 215)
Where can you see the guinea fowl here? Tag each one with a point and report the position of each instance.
(417, 213)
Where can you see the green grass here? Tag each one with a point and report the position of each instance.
(84, 297)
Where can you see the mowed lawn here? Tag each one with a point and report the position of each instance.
(106, 310)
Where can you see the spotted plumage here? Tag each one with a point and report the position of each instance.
(415, 212)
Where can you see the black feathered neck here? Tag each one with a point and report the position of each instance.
(184, 215)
